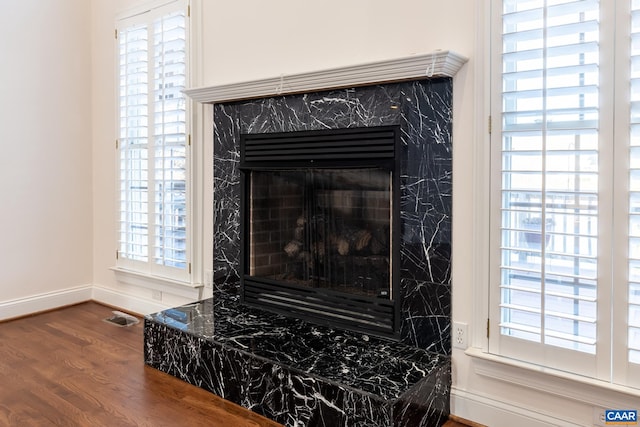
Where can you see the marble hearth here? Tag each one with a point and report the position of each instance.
(299, 373)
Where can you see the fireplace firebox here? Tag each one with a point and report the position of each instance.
(318, 211)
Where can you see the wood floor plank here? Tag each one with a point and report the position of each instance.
(70, 368)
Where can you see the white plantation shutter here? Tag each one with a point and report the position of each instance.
(633, 353)
(550, 173)
(153, 143)
(566, 253)
(170, 141)
(134, 112)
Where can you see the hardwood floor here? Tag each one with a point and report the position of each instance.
(452, 423)
(459, 422)
(70, 368)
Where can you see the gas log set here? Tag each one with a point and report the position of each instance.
(360, 253)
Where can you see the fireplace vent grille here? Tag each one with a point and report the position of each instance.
(366, 314)
(340, 144)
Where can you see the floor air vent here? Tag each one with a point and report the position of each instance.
(122, 319)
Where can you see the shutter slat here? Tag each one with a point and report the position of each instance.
(152, 114)
(633, 317)
(549, 240)
(169, 140)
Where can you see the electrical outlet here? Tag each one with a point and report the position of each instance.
(460, 335)
(157, 295)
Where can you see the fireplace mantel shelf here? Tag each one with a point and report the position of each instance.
(441, 63)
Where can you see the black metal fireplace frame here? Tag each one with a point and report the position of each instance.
(325, 149)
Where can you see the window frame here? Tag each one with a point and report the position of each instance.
(610, 365)
(148, 273)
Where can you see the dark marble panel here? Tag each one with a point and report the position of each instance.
(425, 315)
(295, 399)
(427, 403)
(182, 355)
(426, 175)
(297, 373)
(422, 110)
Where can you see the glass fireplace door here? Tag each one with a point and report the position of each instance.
(322, 228)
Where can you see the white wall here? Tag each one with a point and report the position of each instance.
(57, 113)
(251, 39)
(45, 166)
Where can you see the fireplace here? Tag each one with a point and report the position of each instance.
(268, 215)
(317, 226)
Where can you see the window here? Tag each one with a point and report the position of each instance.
(634, 190)
(153, 144)
(566, 186)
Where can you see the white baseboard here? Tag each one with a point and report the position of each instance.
(52, 300)
(43, 302)
(126, 302)
(495, 413)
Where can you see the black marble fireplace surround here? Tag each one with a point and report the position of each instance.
(298, 373)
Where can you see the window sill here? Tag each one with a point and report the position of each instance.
(163, 284)
(551, 381)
